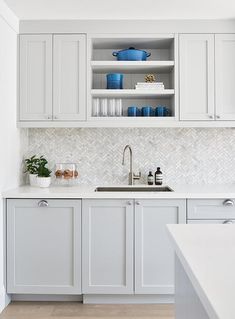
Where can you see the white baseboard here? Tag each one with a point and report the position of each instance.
(4, 300)
(98, 299)
(128, 299)
(25, 297)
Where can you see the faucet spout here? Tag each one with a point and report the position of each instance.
(132, 176)
(128, 147)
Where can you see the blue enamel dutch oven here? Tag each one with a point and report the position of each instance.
(131, 54)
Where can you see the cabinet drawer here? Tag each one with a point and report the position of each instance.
(211, 221)
(211, 208)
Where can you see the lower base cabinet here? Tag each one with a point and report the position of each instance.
(114, 231)
(107, 246)
(211, 211)
(122, 245)
(154, 255)
(43, 246)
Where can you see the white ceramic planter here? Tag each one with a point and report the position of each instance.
(33, 179)
(43, 181)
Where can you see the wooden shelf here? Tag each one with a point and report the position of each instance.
(130, 93)
(132, 66)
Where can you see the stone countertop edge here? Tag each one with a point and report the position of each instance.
(204, 252)
(183, 191)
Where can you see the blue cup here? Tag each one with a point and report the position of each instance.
(133, 111)
(162, 111)
(147, 111)
(114, 81)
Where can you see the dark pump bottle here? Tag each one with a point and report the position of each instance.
(150, 178)
(158, 177)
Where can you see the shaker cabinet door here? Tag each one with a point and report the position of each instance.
(69, 77)
(35, 77)
(225, 76)
(43, 246)
(154, 255)
(107, 246)
(196, 76)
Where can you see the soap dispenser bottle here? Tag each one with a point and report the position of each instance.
(158, 176)
(150, 178)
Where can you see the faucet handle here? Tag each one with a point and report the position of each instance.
(137, 176)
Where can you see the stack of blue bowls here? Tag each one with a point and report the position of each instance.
(114, 81)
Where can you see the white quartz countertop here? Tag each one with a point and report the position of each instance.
(180, 191)
(207, 253)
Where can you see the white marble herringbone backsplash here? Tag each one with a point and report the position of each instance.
(184, 155)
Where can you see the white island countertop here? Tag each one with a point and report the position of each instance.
(207, 254)
(180, 191)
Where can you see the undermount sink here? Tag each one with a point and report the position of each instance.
(134, 189)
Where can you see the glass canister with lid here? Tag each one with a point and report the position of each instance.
(66, 173)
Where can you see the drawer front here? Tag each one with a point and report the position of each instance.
(211, 221)
(211, 208)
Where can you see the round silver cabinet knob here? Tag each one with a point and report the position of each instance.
(228, 202)
(211, 116)
(43, 203)
(137, 202)
(129, 203)
(217, 116)
(228, 221)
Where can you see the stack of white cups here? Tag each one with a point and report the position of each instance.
(107, 107)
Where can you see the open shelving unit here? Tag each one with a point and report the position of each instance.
(162, 63)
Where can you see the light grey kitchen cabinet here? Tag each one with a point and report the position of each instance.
(211, 209)
(225, 76)
(211, 221)
(43, 246)
(35, 77)
(196, 55)
(69, 77)
(107, 246)
(52, 77)
(154, 256)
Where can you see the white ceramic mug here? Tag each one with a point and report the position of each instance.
(118, 107)
(104, 107)
(111, 107)
(96, 107)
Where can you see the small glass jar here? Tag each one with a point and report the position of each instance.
(66, 173)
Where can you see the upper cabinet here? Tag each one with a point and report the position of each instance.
(52, 77)
(63, 80)
(69, 77)
(225, 76)
(196, 77)
(35, 78)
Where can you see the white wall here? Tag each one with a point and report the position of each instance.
(9, 135)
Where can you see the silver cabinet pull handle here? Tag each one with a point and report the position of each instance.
(137, 202)
(43, 203)
(228, 202)
(228, 221)
(129, 203)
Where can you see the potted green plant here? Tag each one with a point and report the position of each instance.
(44, 174)
(32, 169)
(39, 174)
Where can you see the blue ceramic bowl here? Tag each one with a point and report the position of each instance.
(147, 111)
(114, 81)
(162, 111)
(133, 111)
